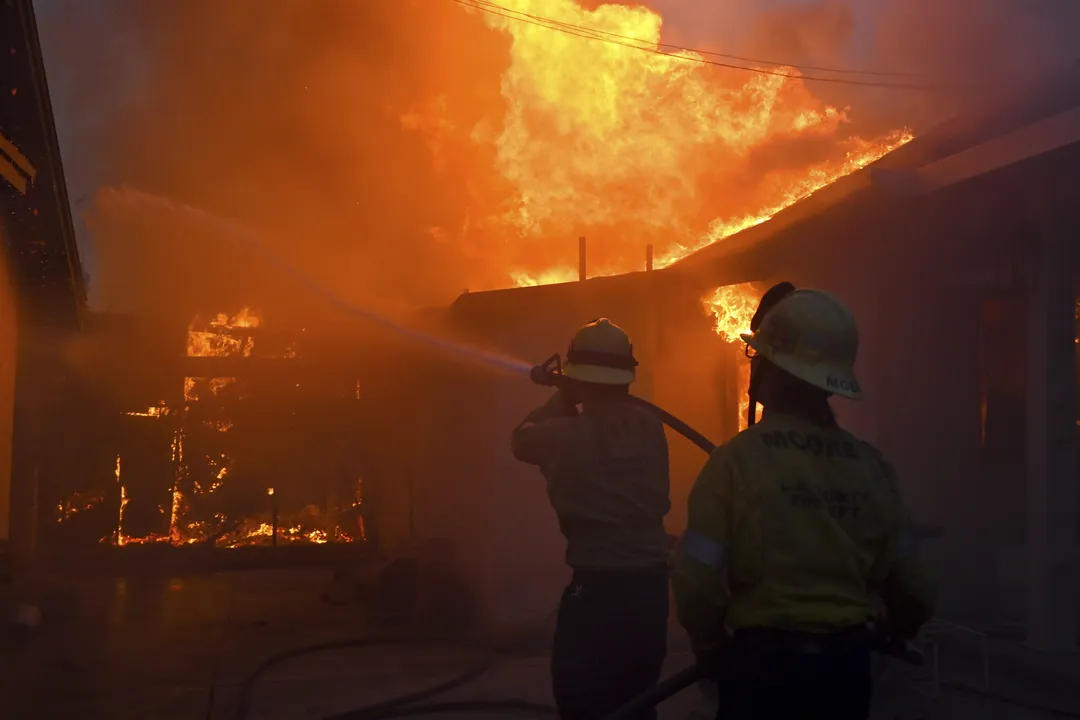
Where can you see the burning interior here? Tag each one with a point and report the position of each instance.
(234, 443)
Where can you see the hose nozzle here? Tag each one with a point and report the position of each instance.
(549, 373)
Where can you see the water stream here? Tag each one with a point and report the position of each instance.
(247, 237)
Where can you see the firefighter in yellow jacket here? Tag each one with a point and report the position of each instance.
(792, 526)
(607, 478)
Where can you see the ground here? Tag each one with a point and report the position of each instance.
(180, 648)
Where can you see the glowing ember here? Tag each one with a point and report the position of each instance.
(219, 425)
(157, 411)
(733, 307)
(120, 539)
(77, 503)
(178, 505)
(644, 146)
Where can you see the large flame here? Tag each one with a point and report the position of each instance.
(651, 147)
(733, 308)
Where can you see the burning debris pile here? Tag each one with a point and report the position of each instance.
(202, 468)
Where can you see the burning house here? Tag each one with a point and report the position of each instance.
(249, 419)
(222, 440)
(203, 430)
(193, 429)
(956, 253)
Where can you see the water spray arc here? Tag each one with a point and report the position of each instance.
(547, 374)
(245, 236)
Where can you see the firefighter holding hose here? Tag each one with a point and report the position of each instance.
(606, 469)
(792, 526)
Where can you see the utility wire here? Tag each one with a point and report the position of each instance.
(670, 51)
(681, 49)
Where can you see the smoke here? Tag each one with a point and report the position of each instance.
(366, 140)
(315, 123)
(820, 30)
(976, 50)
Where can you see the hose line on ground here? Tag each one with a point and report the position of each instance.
(403, 705)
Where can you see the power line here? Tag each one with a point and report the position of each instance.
(613, 39)
(680, 49)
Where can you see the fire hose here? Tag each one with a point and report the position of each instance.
(548, 374)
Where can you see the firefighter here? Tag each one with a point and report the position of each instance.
(793, 526)
(606, 469)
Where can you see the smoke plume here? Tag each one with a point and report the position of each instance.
(400, 152)
(305, 121)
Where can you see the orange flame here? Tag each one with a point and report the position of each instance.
(733, 307)
(159, 410)
(214, 340)
(77, 503)
(609, 134)
(210, 339)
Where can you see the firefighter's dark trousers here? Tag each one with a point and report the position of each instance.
(774, 674)
(610, 640)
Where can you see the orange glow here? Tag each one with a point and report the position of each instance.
(733, 307)
(641, 145)
(119, 538)
(178, 507)
(216, 338)
(159, 410)
(77, 503)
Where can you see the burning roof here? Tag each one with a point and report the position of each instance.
(571, 124)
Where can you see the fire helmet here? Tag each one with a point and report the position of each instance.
(601, 353)
(811, 335)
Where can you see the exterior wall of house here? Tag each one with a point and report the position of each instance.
(8, 354)
(40, 264)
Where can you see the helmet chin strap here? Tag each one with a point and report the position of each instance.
(771, 297)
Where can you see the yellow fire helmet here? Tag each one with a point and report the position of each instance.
(601, 352)
(811, 335)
